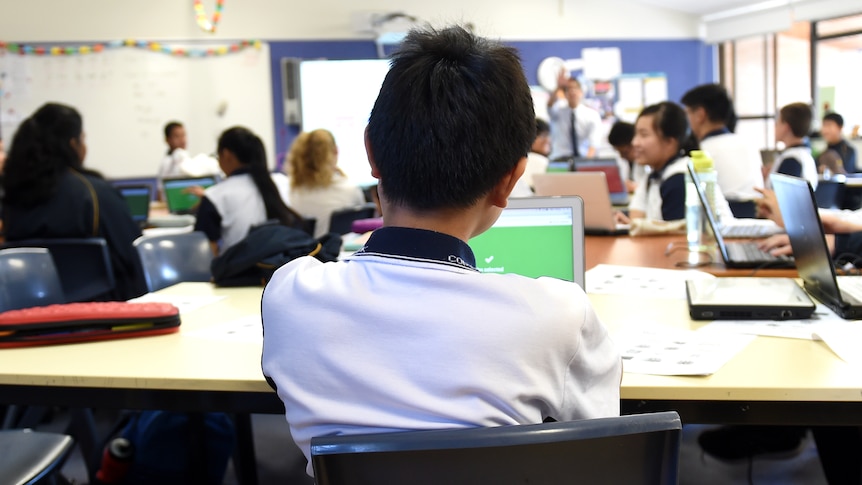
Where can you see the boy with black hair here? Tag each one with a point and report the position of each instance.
(537, 159)
(738, 164)
(406, 334)
(831, 128)
(175, 137)
(791, 128)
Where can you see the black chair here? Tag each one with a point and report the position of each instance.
(829, 193)
(84, 266)
(632, 450)
(173, 258)
(29, 457)
(28, 278)
(341, 221)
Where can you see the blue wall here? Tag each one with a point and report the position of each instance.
(686, 63)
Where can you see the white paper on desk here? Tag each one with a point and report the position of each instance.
(844, 339)
(247, 329)
(634, 280)
(678, 353)
(806, 329)
(184, 303)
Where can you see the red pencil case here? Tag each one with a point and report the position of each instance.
(84, 322)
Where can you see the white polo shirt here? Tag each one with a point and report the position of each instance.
(738, 165)
(240, 205)
(661, 194)
(407, 335)
(796, 161)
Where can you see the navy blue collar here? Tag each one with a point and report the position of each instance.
(720, 131)
(239, 171)
(419, 245)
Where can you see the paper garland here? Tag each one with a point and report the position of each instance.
(43, 50)
(201, 16)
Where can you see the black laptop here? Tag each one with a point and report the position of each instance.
(813, 261)
(138, 198)
(737, 254)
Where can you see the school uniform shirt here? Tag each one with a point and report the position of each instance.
(796, 161)
(661, 194)
(84, 205)
(847, 154)
(321, 202)
(230, 208)
(737, 163)
(171, 164)
(588, 124)
(406, 334)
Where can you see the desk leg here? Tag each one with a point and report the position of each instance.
(245, 462)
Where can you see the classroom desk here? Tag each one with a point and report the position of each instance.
(649, 251)
(772, 381)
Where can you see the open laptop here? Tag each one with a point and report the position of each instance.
(617, 187)
(592, 187)
(736, 254)
(179, 201)
(813, 261)
(138, 198)
(556, 166)
(536, 236)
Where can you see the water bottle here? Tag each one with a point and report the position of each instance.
(116, 461)
(697, 231)
(693, 215)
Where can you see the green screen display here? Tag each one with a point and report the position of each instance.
(528, 242)
(178, 198)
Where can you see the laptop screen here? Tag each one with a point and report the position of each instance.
(138, 200)
(178, 199)
(556, 166)
(535, 237)
(802, 223)
(609, 167)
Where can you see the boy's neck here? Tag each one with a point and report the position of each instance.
(463, 224)
(791, 141)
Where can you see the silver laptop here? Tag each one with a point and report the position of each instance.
(843, 294)
(736, 254)
(616, 185)
(746, 298)
(592, 187)
(536, 236)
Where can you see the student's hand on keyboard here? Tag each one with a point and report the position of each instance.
(621, 218)
(778, 245)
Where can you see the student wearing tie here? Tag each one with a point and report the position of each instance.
(575, 128)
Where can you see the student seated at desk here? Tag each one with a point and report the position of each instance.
(317, 186)
(406, 334)
(537, 159)
(249, 196)
(50, 194)
(791, 128)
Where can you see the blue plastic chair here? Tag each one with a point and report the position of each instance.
(632, 450)
(28, 278)
(174, 258)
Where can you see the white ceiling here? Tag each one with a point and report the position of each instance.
(700, 7)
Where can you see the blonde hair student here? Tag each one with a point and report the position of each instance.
(317, 186)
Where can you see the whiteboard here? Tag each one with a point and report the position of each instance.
(338, 96)
(127, 95)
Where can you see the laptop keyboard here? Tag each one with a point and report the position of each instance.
(748, 231)
(748, 251)
(851, 286)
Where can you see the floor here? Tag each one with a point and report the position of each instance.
(280, 462)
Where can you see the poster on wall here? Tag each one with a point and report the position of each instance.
(637, 91)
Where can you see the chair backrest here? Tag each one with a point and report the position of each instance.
(28, 278)
(341, 221)
(829, 194)
(84, 266)
(174, 258)
(31, 457)
(633, 449)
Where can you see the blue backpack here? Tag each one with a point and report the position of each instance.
(168, 448)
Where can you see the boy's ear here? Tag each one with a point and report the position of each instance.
(370, 153)
(500, 193)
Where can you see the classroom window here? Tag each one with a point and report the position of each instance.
(839, 68)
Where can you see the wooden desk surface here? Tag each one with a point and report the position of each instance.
(774, 373)
(649, 251)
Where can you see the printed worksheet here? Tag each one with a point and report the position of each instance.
(678, 353)
(638, 281)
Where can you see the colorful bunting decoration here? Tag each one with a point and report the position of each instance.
(66, 50)
(201, 16)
